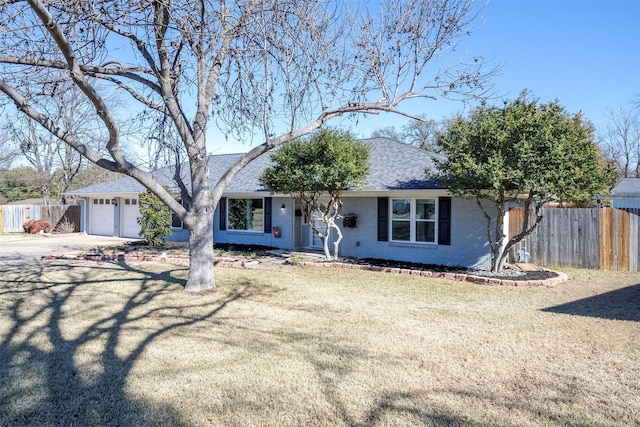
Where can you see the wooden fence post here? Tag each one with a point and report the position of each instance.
(623, 246)
(606, 239)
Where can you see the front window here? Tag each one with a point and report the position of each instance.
(401, 220)
(245, 214)
(413, 220)
(176, 222)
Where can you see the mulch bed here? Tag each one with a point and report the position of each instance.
(509, 274)
(243, 256)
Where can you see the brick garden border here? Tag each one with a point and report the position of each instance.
(183, 259)
(461, 277)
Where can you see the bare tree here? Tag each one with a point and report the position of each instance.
(423, 133)
(7, 152)
(280, 68)
(390, 132)
(38, 148)
(55, 162)
(420, 131)
(621, 141)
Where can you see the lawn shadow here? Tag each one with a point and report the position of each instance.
(54, 374)
(620, 304)
(411, 404)
(333, 362)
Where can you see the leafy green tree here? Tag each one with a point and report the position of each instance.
(523, 152)
(18, 184)
(326, 163)
(154, 219)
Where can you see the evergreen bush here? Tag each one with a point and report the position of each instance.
(154, 219)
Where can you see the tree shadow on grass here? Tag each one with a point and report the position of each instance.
(62, 328)
(333, 362)
(620, 304)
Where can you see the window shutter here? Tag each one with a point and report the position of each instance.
(267, 214)
(223, 213)
(444, 221)
(383, 219)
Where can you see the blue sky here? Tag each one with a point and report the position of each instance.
(585, 54)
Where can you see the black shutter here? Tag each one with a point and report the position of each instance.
(267, 214)
(383, 219)
(444, 221)
(223, 213)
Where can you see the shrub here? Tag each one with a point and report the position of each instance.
(65, 226)
(34, 226)
(154, 219)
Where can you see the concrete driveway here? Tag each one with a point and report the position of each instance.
(21, 247)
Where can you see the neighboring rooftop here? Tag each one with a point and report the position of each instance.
(628, 187)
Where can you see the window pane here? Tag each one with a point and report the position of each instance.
(175, 221)
(401, 230)
(425, 231)
(245, 214)
(425, 209)
(401, 209)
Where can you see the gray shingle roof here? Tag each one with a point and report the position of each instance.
(627, 187)
(393, 165)
(126, 185)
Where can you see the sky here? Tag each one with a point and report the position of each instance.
(584, 53)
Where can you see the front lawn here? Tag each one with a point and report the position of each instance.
(84, 343)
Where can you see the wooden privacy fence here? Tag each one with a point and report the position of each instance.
(597, 238)
(12, 217)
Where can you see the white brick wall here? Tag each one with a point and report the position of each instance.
(469, 246)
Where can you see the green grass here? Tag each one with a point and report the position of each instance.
(85, 343)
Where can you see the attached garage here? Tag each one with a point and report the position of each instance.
(129, 218)
(102, 218)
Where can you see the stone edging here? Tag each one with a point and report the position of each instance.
(553, 281)
(183, 259)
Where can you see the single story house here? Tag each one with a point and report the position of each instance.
(399, 214)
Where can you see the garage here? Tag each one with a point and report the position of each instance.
(130, 214)
(102, 217)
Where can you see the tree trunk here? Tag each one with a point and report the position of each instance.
(201, 274)
(336, 243)
(325, 244)
(498, 263)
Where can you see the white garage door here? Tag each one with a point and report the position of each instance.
(102, 216)
(130, 214)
